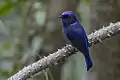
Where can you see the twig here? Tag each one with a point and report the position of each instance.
(53, 59)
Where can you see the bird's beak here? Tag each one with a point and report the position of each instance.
(60, 16)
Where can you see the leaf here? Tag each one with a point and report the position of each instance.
(6, 7)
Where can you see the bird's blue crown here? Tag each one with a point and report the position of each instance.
(68, 17)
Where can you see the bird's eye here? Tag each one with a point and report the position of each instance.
(65, 16)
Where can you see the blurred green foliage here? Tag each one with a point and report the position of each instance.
(4, 72)
(6, 45)
(84, 1)
(8, 5)
(11, 47)
(13, 17)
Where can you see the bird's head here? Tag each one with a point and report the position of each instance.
(68, 17)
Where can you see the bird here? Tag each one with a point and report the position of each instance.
(76, 34)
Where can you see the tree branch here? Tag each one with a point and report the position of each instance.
(53, 59)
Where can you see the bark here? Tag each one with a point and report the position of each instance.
(106, 56)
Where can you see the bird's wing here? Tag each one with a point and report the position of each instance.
(78, 38)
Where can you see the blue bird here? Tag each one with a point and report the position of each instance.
(74, 31)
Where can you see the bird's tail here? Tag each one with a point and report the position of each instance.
(88, 62)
